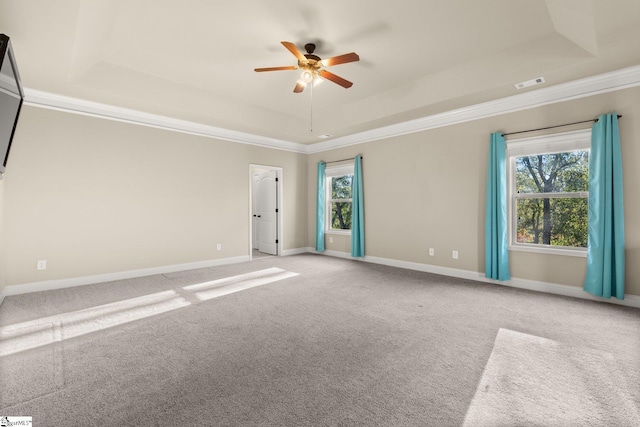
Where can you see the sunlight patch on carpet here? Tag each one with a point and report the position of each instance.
(38, 332)
(531, 380)
(217, 288)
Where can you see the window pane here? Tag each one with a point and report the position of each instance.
(341, 215)
(556, 222)
(558, 172)
(341, 187)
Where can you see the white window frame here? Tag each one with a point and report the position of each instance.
(546, 144)
(331, 172)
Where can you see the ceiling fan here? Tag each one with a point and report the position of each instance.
(312, 66)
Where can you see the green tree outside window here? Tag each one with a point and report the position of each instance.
(341, 202)
(551, 200)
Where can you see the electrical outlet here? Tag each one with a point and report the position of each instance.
(432, 252)
(454, 254)
(42, 264)
(219, 246)
(330, 239)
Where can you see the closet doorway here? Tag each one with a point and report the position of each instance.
(265, 213)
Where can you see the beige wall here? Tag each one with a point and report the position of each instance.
(95, 196)
(427, 190)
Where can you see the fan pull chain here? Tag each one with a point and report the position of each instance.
(311, 109)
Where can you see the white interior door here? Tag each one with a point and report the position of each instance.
(267, 212)
(256, 211)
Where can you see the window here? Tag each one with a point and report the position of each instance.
(338, 206)
(549, 193)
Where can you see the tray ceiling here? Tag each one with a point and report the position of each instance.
(193, 60)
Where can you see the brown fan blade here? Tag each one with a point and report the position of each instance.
(341, 59)
(289, 67)
(336, 79)
(299, 87)
(296, 52)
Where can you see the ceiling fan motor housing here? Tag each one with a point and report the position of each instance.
(313, 61)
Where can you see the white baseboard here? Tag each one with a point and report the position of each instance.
(531, 285)
(296, 251)
(110, 277)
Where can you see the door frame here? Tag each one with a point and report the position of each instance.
(253, 169)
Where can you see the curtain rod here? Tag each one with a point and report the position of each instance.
(552, 127)
(337, 161)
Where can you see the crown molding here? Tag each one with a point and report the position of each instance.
(52, 101)
(602, 83)
(595, 85)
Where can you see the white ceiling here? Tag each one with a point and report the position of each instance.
(194, 59)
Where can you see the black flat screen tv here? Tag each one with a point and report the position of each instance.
(11, 97)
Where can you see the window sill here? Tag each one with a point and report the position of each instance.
(339, 232)
(549, 250)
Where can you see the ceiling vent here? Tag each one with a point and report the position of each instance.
(532, 82)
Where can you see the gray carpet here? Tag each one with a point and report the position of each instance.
(313, 340)
(528, 376)
(256, 254)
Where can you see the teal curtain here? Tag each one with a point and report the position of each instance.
(496, 249)
(357, 211)
(605, 251)
(320, 201)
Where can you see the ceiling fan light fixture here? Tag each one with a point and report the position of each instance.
(306, 76)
